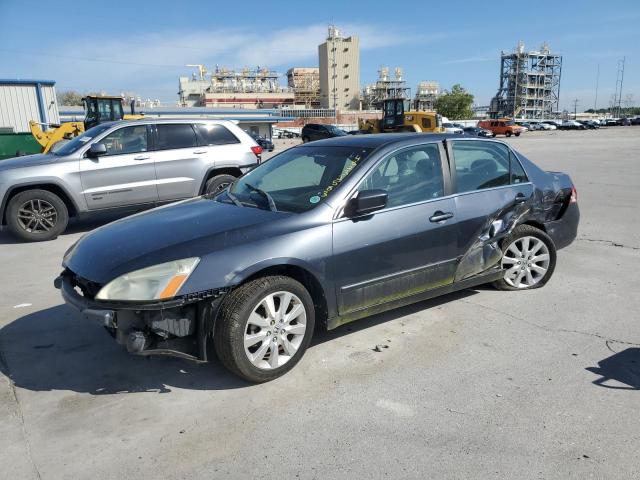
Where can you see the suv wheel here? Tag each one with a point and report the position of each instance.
(508, 134)
(305, 139)
(264, 327)
(218, 183)
(36, 215)
(528, 259)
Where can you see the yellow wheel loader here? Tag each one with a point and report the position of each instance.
(396, 119)
(97, 109)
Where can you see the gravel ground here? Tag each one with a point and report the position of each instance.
(475, 385)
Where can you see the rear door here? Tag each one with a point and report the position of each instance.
(493, 192)
(125, 175)
(180, 162)
(403, 249)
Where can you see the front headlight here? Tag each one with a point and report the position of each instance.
(159, 282)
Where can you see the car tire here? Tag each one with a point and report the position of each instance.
(508, 134)
(536, 241)
(234, 328)
(47, 215)
(493, 135)
(305, 139)
(517, 134)
(218, 184)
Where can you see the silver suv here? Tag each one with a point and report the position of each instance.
(121, 165)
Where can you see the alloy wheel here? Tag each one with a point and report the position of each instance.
(37, 215)
(525, 262)
(275, 330)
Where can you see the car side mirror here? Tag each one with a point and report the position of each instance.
(97, 149)
(366, 202)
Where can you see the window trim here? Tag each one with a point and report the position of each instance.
(155, 136)
(448, 191)
(454, 171)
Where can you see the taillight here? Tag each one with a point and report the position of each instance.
(257, 150)
(574, 195)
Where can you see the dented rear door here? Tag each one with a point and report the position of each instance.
(493, 193)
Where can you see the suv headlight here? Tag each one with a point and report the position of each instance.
(159, 282)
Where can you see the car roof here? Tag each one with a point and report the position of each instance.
(382, 139)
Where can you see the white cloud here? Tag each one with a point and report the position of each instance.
(145, 61)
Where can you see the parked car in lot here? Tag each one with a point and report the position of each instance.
(589, 124)
(451, 128)
(552, 124)
(477, 132)
(635, 121)
(264, 142)
(612, 122)
(318, 131)
(526, 126)
(501, 127)
(547, 126)
(128, 165)
(572, 125)
(320, 235)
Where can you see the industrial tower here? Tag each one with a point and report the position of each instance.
(529, 84)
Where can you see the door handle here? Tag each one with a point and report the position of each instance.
(520, 198)
(439, 216)
(141, 157)
(199, 152)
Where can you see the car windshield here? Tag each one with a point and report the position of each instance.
(296, 180)
(78, 142)
(448, 125)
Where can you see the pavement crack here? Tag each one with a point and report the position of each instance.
(609, 243)
(4, 366)
(550, 329)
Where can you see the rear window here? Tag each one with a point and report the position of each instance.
(215, 135)
(179, 135)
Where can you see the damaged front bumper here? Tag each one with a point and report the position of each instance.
(178, 327)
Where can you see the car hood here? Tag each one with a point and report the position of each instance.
(190, 228)
(27, 161)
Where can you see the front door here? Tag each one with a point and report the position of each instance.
(493, 193)
(125, 175)
(406, 248)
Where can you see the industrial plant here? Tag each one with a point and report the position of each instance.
(529, 84)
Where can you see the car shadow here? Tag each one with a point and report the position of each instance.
(622, 367)
(56, 349)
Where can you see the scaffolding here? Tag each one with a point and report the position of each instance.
(385, 88)
(426, 95)
(529, 84)
(305, 83)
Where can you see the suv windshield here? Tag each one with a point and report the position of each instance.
(298, 179)
(336, 131)
(75, 144)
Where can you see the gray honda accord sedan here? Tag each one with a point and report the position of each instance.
(321, 234)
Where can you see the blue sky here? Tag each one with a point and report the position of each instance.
(142, 46)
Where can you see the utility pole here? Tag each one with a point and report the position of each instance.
(575, 108)
(595, 103)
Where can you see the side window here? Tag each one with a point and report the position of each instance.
(179, 135)
(126, 140)
(480, 165)
(410, 176)
(426, 122)
(517, 172)
(215, 135)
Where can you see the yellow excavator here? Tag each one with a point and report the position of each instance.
(97, 109)
(396, 118)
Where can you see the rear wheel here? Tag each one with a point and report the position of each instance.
(528, 259)
(264, 328)
(218, 184)
(517, 134)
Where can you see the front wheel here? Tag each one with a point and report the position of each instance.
(528, 259)
(264, 327)
(37, 215)
(508, 134)
(305, 139)
(517, 134)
